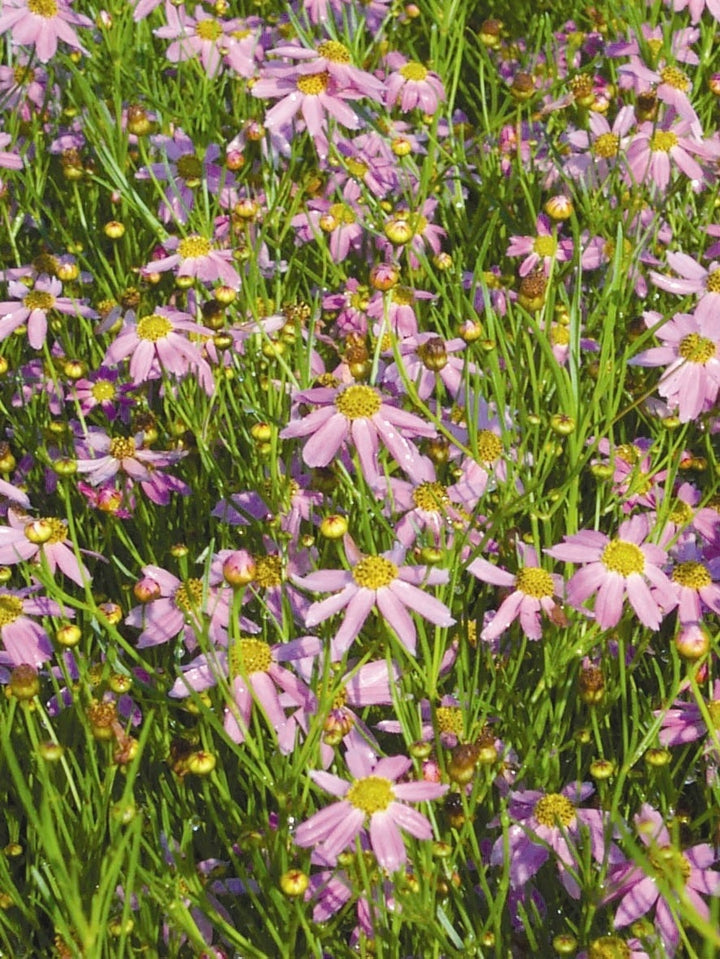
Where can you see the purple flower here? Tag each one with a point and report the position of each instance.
(31, 308)
(668, 876)
(615, 568)
(685, 722)
(552, 822)
(374, 793)
(27, 538)
(42, 24)
(376, 582)
(255, 675)
(24, 640)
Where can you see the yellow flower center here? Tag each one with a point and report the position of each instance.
(402, 295)
(606, 145)
(655, 45)
(450, 720)
(189, 167)
(622, 557)
(188, 595)
(209, 30)
(154, 327)
(554, 809)
(489, 446)
(102, 391)
(681, 513)
(314, 84)
(670, 863)
(374, 572)
(545, 245)
(712, 283)
(122, 447)
(534, 582)
(697, 349)
(662, 141)
(609, 947)
(371, 794)
(692, 575)
(559, 335)
(357, 168)
(342, 213)
(414, 71)
(358, 402)
(249, 656)
(268, 571)
(10, 608)
(334, 51)
(628, 453)
(431, 497)
(359, 299)
(23, 75)
(675, 78)
(37, 300)
(43, 8)
(194, 246)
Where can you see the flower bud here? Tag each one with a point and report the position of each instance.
(523, 86)
(294, 883)
(602, 769)
(39, 531)
(692, 642)
(201, 763)
(239, 568)
(24, 682)
(51, 752)
(334, 527)
(592, 685)
(146, 590)
(112, 612)
(559, 207)
(114, 230)
(658, 757)
(399, 231)
(384, 276)
(461, 766)
(68, 635)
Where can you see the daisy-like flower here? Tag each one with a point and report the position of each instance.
(102, 389)
(202, 36)
(379, 582)
(170, 606)
(9, 159)
(31, 308)
(427, 358)
(316, 96)
(600, 148)
(121, 454)
(195, 256)
(159, 342)
(374, 793)
(533, 591)
(654, 149)
(695, 582)
(696, 8)
(617, 567)
(23, 639)
(411, 85)
(395, 310)
(185, 170)
(335, 59)
(255, 675)
(359, 413)
(691, 355)
(552, 822)
(544, 249)
(693, 278)
(684, 875)
(41, 24)
(27, 539)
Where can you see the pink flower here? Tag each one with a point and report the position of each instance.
(413, 85)
(202, 36)
(359, 413)
(31, 308)
(159, 342)
(42, 24)
(545, 248)
(602, 146)
(533, 592)
(616, 568)
(255, 675)
(667, 876)
(376, 582)
(694, 278)
(45, 538)
(195, 256)
(374, 793)
(24, 640)
(333, 58)
(655, 148)
(691, 355)
(316, 96)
